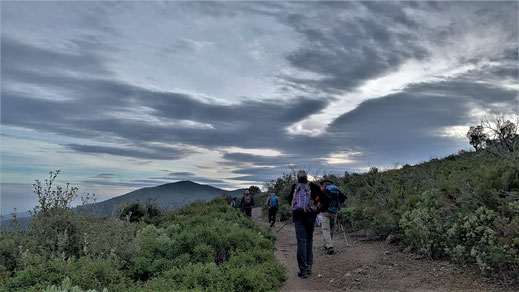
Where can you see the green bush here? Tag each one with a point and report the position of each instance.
(463, 207)
(205, 246)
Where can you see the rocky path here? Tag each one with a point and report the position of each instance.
(371, 266)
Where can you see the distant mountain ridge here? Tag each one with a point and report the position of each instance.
(167, 196)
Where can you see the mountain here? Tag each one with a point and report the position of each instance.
(167, 196)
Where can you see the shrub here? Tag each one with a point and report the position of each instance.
(205, 246)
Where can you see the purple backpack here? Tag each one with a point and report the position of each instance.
(302, 200)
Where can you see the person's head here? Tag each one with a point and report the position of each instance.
(234, 198)
(302, 177)
(246, 192)
(272, 194)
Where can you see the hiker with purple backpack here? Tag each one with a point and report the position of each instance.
(307, 200)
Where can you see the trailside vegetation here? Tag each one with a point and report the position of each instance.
(464, 207)
(204, 246)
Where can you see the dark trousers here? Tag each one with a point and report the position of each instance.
(272, 214)
(248, 211)
(305, 238)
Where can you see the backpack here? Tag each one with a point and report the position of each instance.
(335, 204)
(234, 204)
(302, 200)
(273, 201)
(247, 201)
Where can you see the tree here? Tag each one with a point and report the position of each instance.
(477, 137)
(503, 139)
(254, 190)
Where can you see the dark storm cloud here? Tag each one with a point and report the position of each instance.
(151, 152)
(349, 51)
(21, 57)
(89, 113)
(392, 125)
(240, 158)
(182, 174)
(105, 175)
(102, 182)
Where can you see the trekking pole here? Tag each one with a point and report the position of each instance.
(343, 233)
(284, 225)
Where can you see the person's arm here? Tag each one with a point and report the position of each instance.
(251, 201)
(267, 202)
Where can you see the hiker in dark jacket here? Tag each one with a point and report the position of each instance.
(247, 202)
(273, 204)
(304, 212)
(234, 203)
(330, 214)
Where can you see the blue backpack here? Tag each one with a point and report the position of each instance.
(273, 201)
(335, 204)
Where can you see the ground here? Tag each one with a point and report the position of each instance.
(371, 266)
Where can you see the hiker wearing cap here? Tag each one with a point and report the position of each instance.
(273, 204)
(247, 202)
(329, 221)
(306, 199)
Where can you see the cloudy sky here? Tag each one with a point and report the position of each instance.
(123, 95)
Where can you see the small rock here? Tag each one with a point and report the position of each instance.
(319, 276)
(390, 238)
(347, 275)
(331, 281)
(387, 252)
(357, 279)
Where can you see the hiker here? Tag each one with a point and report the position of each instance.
(329, 221)
(306, 199)
(234, 203)
(247, 202)
(273, 204)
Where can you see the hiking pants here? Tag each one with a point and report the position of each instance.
(305, 237)
(272, 214)
(248, 211)
(328, 225)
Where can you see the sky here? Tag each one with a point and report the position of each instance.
(124, 95)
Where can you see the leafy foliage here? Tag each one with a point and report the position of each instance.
(463, 207)
(205, 246)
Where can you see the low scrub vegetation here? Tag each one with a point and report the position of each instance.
(205, 246)
(464, 207)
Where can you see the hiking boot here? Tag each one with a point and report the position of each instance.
(309, 272)
(330, 250)
(272, 224)
(303, 274)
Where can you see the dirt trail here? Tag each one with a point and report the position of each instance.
(370, 266)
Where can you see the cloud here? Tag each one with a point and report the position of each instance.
(78, 87)
(346, 49)
(103, 109)
(151, 152)
(105, 175)
(403, 125)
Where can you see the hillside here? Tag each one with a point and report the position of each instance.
(167, 196)
(205, 246)
(463, 208)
